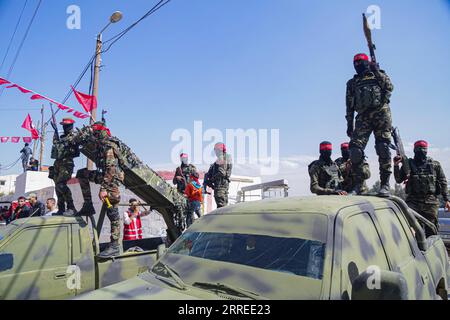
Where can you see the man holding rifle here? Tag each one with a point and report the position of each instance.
(425, 180)
(368, 94)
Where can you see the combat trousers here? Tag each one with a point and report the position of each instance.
(62, 172)
(221, 196)
(379, 122)
(427, 210)
(113, 193)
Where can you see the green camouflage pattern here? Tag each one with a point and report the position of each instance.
(51, 253)
(325, 178)
(423, 185)
(142, 181)
(350, 250)
(218, 178)
(350, 178)
(373, 114)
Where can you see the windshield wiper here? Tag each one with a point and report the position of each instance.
(178, 281)
(228, 289)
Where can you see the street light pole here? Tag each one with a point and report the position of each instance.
(98, 61)
(115, 17)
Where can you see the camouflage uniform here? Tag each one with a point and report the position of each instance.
(349, 176)
(368, 95)
(184, 171)
(218, 178)
(326, 178)
(64, 150)
(109, 176)
(424, 183)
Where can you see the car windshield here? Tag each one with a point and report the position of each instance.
(282, 254)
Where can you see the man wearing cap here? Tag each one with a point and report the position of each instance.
(183, 172)
(108, 175)
(353, 183)
(64, 150)
(424, 182)
(218, 175)
(368, 94)
(326, 178)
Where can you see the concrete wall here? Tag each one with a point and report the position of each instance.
(8, 184)
(32, 181)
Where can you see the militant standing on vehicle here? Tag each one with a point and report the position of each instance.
(64, 150)
(218, 175)
(425, 180)
(368, 94)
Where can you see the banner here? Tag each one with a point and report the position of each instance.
(89, 101)
(16, 139)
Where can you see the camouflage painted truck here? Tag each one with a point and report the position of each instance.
(324, 247)
(40, 256)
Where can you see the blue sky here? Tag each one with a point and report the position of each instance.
(263, 64)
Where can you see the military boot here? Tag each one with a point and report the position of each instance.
(385, 188)
(87, 209)
(111, 251)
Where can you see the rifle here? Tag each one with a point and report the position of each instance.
(368, 35)
(103, 116)
(398, 147)
(207, 182)
(54, 125)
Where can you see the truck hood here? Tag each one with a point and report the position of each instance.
(145, 287)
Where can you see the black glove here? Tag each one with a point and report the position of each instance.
(350, 130)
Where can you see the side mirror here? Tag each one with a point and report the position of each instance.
(379, 285)
(6, 261)
(161, 250)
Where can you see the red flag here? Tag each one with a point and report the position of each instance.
(88, 102)
(15, 139)
(20, 88)
(4, 139)
(3, 81)
(80, 115)
(28, 125)
(26, 139)
(37, 97)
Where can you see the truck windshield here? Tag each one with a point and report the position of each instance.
(291, 255)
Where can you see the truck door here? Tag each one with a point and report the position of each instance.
(360, 249)
(396, 239)
(40, 266)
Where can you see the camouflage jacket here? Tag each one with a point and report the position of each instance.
(65, 148)
(108, 163)
(183, 171)
(424, 182)
(369, 91)
(345, 167)
(219, 173)
(326, 178)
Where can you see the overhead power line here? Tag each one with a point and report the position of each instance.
(11, 68)
(13, 35)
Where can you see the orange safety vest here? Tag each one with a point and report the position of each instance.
(133, 231)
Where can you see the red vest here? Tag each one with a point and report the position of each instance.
(133, 231)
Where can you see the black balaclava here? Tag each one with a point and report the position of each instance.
(345, 151)
(361, 63)
(326, 149)
(420, 151)
(67, 128)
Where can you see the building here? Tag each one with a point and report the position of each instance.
(7, 184)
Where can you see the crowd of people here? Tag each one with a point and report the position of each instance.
(25, 207)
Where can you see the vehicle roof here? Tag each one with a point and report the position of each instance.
(36, 221)
(327, 204)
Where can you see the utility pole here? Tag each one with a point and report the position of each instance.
(115, 17)
(98, 61)
(43, 129)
